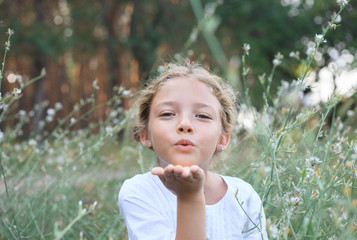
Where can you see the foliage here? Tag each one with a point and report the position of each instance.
(301, 159)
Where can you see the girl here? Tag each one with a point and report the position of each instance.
(186, 116)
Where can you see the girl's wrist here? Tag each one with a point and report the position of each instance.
(192, 197)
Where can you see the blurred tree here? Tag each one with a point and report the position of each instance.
(122, 42)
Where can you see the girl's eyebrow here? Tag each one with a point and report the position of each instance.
(173, 103)
(166, 103)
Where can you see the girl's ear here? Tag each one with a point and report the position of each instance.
(223, 141)
(144, 139)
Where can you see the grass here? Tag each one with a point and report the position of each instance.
(64, 184)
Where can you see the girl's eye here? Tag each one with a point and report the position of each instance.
(203, 116)
(167, 114)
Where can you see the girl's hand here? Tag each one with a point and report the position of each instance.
(185, 182)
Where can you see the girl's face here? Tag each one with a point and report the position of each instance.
(185, 125)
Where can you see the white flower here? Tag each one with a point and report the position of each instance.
(337, 148)
(58, 106)
(294, 54)
(126, 93)
(350, 113)
(16, 91)
(310, 50)
(319, 37)
(342, 3)
(246, 48)
(276, 62)
(32, 142)
(22, 113)
(51, 112)
(1, 136)
(278, 59)
(95, 84)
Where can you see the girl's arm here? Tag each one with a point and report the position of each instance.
(188, 184)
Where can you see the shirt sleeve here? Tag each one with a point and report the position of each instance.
(255, 226)
(142, 216)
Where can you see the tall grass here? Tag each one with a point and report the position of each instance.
(64, 183)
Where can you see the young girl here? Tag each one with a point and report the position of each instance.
(186, 116)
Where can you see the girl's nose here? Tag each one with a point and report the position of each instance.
(185, 126)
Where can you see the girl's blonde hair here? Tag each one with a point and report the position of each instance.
(225, 94)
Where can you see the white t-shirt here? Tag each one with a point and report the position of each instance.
(149, 211)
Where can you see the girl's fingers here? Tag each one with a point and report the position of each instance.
(197, 172)
(159, 171)
(186, 173)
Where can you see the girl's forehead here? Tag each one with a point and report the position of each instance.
(176, 81)
(186, 90)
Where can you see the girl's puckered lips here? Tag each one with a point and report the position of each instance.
(184, 145)
(184, 142)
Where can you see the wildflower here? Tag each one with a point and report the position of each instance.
(51, 112)
(262, 78)
(310, 50)
(58, 106)
(22, 113)
(319, 38)
(294, 54)
(73, 120)
(126, 93)
(337, 148)
(16, 92)
(246, 48)
(109, 130)
(7, 46)
(190, 52)
(193, 35)
(313, 160)
(49, 118)
(350, 113)
(1, 136)
(278, 59)
(32, 142)
(342, 3)
(95, 84)
(10, 32)
(80, 203)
